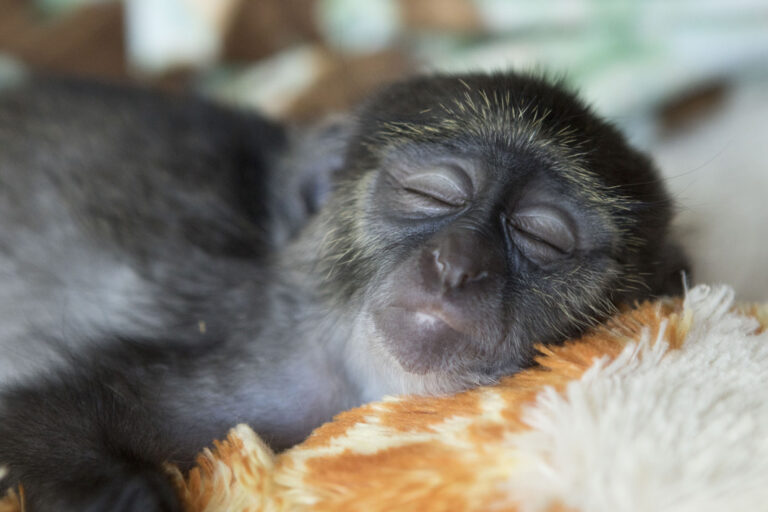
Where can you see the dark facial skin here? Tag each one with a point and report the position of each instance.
(470, 217)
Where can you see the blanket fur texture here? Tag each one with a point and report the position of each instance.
(664, 408)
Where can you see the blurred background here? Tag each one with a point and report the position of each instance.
(687, 80)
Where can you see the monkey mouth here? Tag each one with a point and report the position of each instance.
(430, 315)
(431, 318)
(421, 339)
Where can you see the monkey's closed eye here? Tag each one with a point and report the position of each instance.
(542, 233)
(447, 186)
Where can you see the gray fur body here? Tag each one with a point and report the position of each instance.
(131, 229)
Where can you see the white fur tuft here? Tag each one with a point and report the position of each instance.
(685, 430)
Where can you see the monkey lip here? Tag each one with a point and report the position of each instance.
(427, 317)
(432, 317)
(421, 339)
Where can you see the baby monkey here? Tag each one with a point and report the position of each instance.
(470, 217)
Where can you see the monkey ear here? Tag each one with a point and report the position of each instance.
(673, 272)
(318, 154)
(304, 177)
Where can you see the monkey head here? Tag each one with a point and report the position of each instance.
(478, 215)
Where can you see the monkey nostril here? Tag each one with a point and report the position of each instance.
(456, 274)
(438, 264)
(479, 276)
(454, 280)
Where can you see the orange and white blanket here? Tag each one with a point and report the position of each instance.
(664, 408)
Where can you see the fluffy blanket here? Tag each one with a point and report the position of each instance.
(664, 408)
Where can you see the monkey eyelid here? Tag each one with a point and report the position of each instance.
(543, 225)
(444, 184)
(445, 203)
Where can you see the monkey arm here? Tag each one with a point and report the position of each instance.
(86, 443)
(96, 438)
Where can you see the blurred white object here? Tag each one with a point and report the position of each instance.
(11, 72)
(718, 173)
(63, 6)
(163, 34)
(625, 57)
(359, 27)
(273, 84)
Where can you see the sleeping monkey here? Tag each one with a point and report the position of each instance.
(163, 276)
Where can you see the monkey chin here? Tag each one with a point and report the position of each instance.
(432, 331)
(421, 341)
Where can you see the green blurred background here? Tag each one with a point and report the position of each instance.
(687, 80)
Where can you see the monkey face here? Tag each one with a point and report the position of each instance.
(491, 254)
(485, 214)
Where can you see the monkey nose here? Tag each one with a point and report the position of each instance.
(455, 272)
(458, 261)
